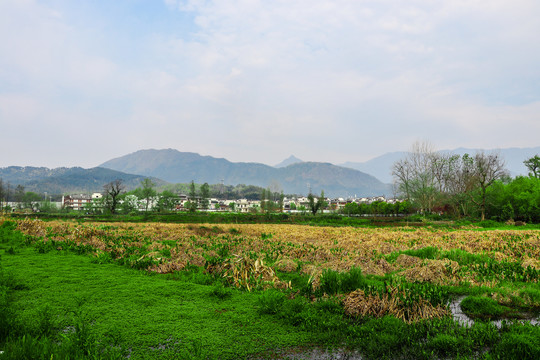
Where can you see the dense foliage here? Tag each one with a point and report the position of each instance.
(518, 199)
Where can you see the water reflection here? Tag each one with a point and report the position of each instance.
(463, 319)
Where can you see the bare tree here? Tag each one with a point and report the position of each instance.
(2, 194)
(428, 178)
(112, 191)
(416, 175)
(459, 183)
(402, 172)
(487, 169)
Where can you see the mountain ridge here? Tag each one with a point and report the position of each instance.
(181, 167)
(65, 180)
(381, 166)
(288, 161)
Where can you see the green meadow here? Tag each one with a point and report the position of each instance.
(66, 303)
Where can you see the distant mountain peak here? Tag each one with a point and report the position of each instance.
(291, 175)
(288, 161)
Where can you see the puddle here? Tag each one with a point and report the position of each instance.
(463, 319)
(319, 354)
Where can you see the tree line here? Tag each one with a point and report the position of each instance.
(476, 185)
(25, 199)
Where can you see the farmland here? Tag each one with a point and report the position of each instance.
(371, 291)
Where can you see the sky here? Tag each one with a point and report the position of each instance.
(82, 82)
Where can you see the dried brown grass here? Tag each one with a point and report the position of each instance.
(360, 304)
(432, 271)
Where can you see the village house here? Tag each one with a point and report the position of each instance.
(78, 201)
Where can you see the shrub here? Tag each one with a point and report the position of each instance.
(521, 342)
(381, 338)
(219, 291)
(465, 258)
(102, 258)
(271, 301)
(488, 224)
(333, 282)
(482, 307)
(352, 280)
(447, 345)
(330, 282)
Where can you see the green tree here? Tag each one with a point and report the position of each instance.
(280, 202)
(533, 164)
(147, 191)
(322, 200)
(351, 209)
(315, 204)
(517, 200)
(129, 204)
(167, 201)
(96, 206)
(47, 207)
(192, 203)
(264, 201)
(205, 196)
(31, 200)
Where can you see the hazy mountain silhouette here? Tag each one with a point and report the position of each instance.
(288, 161)
(181, 167)
(68, 180)
(381, 166)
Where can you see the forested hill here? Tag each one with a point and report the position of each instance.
(182, 167)
(67, 180)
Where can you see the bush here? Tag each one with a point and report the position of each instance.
(447, 345)
(219, 291)
(333, 282)
(488, 224)
(294, 311)
(521, 342)
(382, 338)
(482, 307)
(352, 280)
(330, 282)
(464, 258)
(271, 301)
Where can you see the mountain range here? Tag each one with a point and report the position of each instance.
(381, 166)
(68, 180)
(292, 175)
(298, 177)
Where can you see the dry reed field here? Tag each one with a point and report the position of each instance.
(171, 247)
(394, 287)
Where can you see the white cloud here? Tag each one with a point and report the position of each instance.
(277, 77)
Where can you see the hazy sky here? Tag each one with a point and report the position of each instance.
(85, 81)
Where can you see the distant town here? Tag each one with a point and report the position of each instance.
(95, 202)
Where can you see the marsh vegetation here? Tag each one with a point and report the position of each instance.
(225, 291)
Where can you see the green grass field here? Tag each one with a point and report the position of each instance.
(146, 316)
(57, 304)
